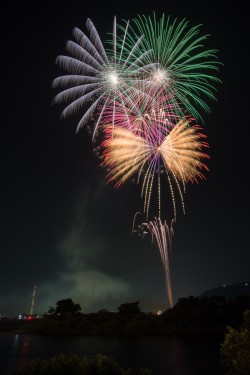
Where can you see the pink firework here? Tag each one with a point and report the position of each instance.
(141, 112)
(152, 151)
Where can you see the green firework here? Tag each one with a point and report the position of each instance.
(178, 61)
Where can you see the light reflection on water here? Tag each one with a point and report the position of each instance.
(165, 355)
(176, 358)
(22, 344)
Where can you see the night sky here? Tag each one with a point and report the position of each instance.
(63, 228)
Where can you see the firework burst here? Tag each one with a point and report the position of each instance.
(97, 76)
(144, 91)
(177, 152)
(142, 112)
(179, 62)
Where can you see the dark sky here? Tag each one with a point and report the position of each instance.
(62, 227)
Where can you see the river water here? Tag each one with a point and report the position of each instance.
(165, 355)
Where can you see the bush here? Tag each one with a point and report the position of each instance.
(235, 349)
(62, 364)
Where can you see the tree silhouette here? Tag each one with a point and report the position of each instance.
(65, 308)
(131, 308)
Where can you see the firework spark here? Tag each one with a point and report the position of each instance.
(97, 76)
(177, 152)
(179, 62)
(143, 112)
(162, 235)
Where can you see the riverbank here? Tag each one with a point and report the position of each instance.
(110, 324)
(208, 316)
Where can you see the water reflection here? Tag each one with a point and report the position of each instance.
(176, 360)
(15, 344)
(20, 351)
(24, 352)
(164, 355)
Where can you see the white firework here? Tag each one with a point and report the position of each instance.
(97, 77)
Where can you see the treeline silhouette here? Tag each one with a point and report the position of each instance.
(191, 315)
